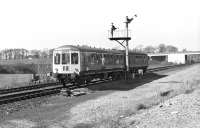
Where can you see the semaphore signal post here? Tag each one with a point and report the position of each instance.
(121, 37)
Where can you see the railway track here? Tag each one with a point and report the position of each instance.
(34, 86)
(164, 68)
(17, 96)
(22, 93)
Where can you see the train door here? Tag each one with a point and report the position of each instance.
(75, 62)
(56, 61)
(186, 59)
(65, 57)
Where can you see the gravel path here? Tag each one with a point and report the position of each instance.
(108, 109)
(182, 111)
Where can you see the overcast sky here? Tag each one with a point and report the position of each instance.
(38, 24)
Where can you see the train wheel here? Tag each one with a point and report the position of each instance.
(80, 81)
(116, 76)
(88, 79)
(120, 76)
(105, 76)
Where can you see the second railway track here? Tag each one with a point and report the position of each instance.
(42, 91)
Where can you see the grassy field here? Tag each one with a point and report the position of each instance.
(39, 66)
(14, 80)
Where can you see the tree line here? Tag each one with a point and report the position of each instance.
(12, 54)
(9, 54)
(161, 48)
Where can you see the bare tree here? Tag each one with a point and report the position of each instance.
(184, 50)
(161, 48)
(149, 49)
(170, 48)
(139, 47)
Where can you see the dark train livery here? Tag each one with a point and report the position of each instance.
(192, 58)
(82, 64)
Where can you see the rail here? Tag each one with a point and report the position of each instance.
(164, 68)
(31, 87)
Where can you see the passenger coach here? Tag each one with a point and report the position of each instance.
(82, 64)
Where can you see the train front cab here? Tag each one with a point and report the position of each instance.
(66, 64)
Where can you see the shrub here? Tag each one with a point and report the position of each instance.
(141, 106)
(166, 93)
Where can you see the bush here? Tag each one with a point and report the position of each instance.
(142, 106)
(26, 68)
(166, 93)
(16, 69)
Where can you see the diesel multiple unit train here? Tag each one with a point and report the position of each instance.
(82, 64)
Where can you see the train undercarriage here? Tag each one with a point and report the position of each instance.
(87, 76)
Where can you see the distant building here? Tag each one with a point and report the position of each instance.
(178, 58)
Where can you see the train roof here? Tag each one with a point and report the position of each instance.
(92, 49)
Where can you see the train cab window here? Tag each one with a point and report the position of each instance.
(65, 58)
(57, 58)
(74, 58)
(93, 59)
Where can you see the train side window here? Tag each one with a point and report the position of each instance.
(117, 59)
(114, 59)
(93, 58)
(88, 58)
(99, 58)
(74, 58)
(57, 58)
(121, 59)
(105, 59)
(110, 59)
(65, 58)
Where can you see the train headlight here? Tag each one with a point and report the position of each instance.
(76, 70)
(56, 70)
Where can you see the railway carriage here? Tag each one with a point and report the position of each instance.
(82, 64)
